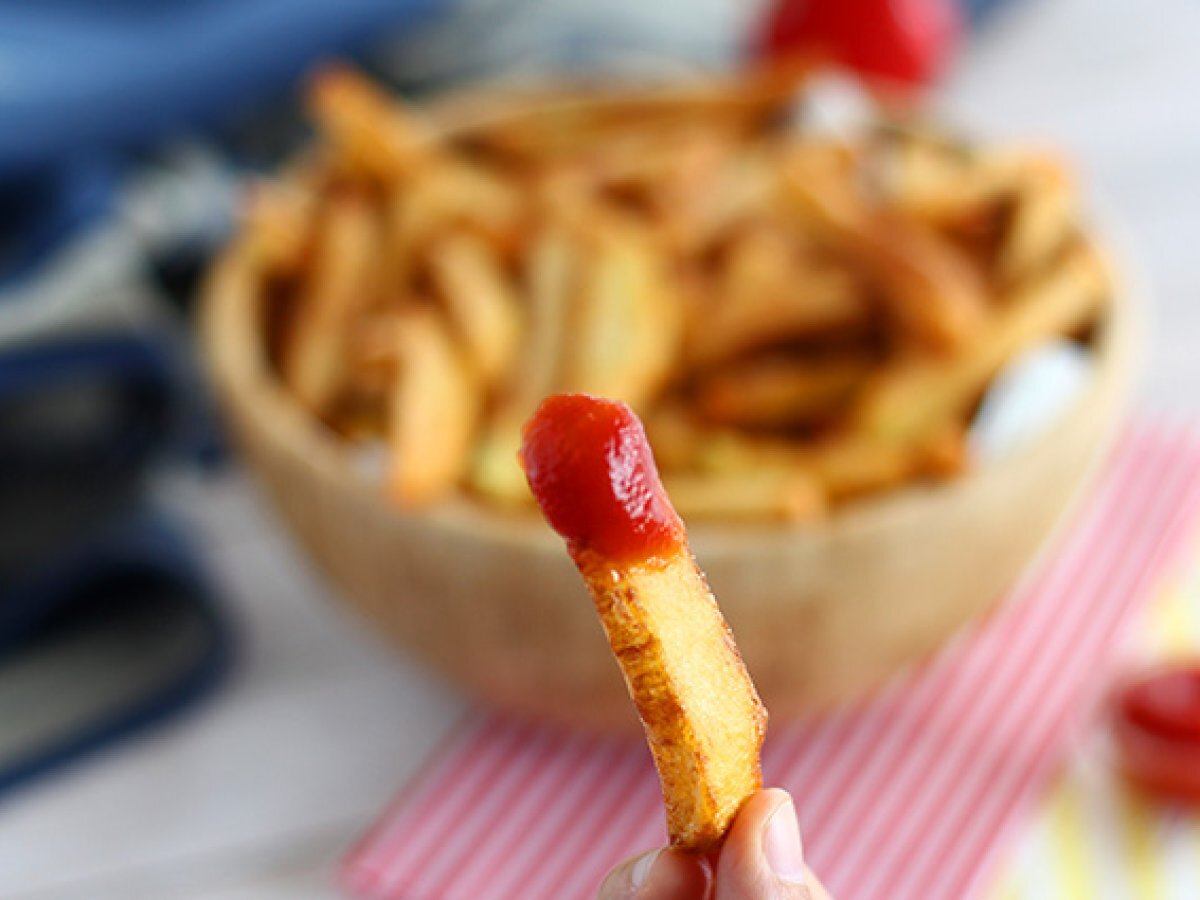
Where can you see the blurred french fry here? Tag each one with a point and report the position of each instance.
(930, 289)
(278, 220)
(713, 203)
(768, 293)
(851, 464)
(433, 412)
(482, 305)
(540, 127)
(779, 391)
(908, 398)
(780, 493)
(341, 281)
(552, 277)
(369, 129)
(626, 324)
(448, 194)
(1042, 220)
(372, 345)
(927, 182)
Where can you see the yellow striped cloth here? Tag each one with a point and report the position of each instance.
(1093, 839)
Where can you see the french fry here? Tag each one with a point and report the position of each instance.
(590, 468)
(626, 323)
(714, 203)
(449, 194)
(552, 277)
(278, 220)
(912, 396)
(433, 412)
(369, 130)
(926, 181)
(780, 493)
(341, 282)
(549, 125)
(480, 301)
(776, 392)
(931, 290)
(1042, 220)
(769, 293)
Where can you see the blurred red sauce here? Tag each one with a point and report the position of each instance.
(1157, 729)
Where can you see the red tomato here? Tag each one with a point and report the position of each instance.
(907, 41)
(1157, 730)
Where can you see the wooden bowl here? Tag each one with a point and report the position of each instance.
(821, 613)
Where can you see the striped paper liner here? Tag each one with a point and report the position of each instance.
(912, 794)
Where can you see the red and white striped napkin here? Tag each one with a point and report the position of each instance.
(909, 795)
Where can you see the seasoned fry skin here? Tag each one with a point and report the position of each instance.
(591, 471)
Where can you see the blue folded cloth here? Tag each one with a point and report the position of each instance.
(110, 636)
(107, 622)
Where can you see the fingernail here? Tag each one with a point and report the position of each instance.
(781, 844)
(640, 873)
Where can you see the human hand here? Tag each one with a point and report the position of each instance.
(761, 859)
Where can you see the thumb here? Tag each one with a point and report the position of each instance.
(763, 858)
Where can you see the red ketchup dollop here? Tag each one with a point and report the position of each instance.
(591, 470)
(1157, 730)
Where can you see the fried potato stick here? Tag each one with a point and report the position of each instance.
(929, 288)
(341, 280)
(908, 398)
(553, 268)
(627, 322)
(433, 411)
(482, 305)
(777, 392)
(765, 493)
(591, 470)
(369, 128)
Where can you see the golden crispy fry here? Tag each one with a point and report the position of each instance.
(627, 322)
(482, 304)
(707, 204)
(781, 492)
(1042, 220)
(552, 277)
(448, 195)
(591, 472)
(703, 720)
(927, 181)
(370, 131)
(433, 412)
(341, 282)
(768, 293)
(279, 220)
(537, 128)
(852, 465)
(779, 391)
(930, 289)
(840, 467)
(908, 398)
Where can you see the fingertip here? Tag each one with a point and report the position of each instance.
(658, 875)
(763, 856)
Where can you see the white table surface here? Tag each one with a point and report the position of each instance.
(257, 794)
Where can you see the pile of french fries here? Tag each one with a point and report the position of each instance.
(800, 319)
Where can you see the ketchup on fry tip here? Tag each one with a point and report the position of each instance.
(591, 471)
